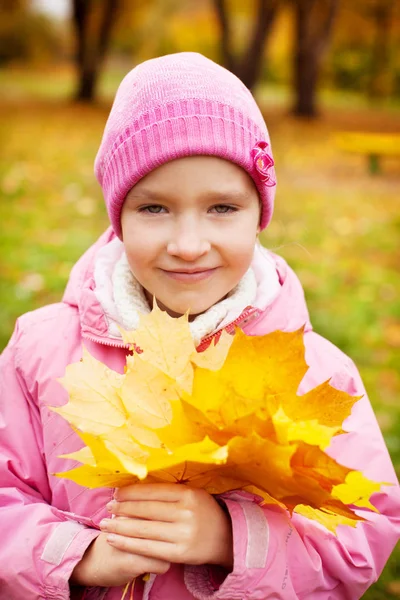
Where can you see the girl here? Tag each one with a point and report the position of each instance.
(187, 175)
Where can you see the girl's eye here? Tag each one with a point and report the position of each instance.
(153, 209)
(223, 209)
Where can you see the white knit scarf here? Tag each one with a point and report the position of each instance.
(130, 301)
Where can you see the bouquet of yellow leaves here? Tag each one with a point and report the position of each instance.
(223, 419)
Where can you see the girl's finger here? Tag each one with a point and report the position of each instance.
(164, 551)
(144, 564)
(144, 529)
(168, 492)
(146, 509)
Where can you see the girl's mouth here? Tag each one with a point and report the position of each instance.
(190, 276)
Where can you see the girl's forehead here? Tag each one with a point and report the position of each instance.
(206, 175)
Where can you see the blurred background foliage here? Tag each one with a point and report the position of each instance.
(351, 46)
(318, 68)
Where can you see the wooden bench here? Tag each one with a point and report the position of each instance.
(371, 145)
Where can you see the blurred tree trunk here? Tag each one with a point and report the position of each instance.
(10, 6)
(247, 67)
(224, 25)
(314, 21)
(381, 13)
(93, 22)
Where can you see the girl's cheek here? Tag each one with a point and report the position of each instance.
(243, 247)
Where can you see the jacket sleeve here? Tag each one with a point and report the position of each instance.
(276, 556)
(40, 544)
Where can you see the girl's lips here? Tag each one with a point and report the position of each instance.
(187, 277)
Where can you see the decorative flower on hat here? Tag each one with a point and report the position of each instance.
(263, 162)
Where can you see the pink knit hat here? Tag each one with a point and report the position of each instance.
(175, 106)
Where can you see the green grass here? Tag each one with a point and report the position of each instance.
(337, 226)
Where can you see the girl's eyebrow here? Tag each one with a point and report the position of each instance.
(214, 196)
(147, 194)
(229, 196)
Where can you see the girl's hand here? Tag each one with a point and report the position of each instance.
(105, 566)
(171, 523)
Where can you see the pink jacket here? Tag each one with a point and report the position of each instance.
(46, 523)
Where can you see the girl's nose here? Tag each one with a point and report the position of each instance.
(188, 245)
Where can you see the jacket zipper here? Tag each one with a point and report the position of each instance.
(104, 341)
(243, 318)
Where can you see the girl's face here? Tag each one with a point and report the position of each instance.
(189, 229)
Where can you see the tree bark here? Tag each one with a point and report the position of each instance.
(248, 66)
(80, 14)
(91, 45)
(249, 69)
(382, 14)
(226, 44)
(314, 21)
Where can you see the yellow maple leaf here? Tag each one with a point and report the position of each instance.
(323, 468)
(324, 403)
(95, 405)
(356, 490)
(150, 404)
(310, 431)
(102, 465)
(255, 368)
(226, 418)
(328, 518)
(215, 355)
(168, 345)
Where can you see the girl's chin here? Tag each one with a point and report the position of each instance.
(177, 309)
